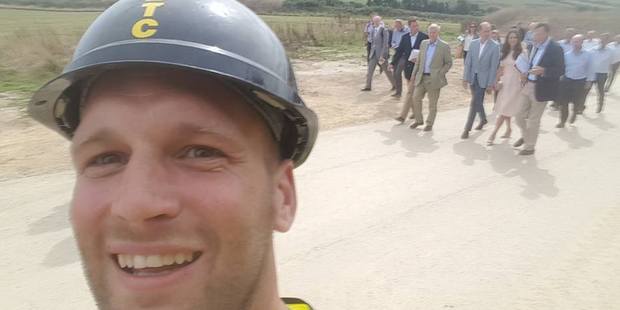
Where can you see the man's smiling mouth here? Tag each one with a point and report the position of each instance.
(154, 265)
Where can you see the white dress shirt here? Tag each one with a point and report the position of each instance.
(482, 46)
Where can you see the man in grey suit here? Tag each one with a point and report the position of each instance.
(480, 75)
(379, 48)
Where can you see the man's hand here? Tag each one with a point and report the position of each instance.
(523, 79)
(381, 60)
(490, 89)
(538, 71)
(465, 84)
(391, 67)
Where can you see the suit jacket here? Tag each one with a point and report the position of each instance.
(485, 65)
(441, 64)
(548, 85)
(404, 50)
(380, 44)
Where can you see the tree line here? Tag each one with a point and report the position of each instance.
(461, 7)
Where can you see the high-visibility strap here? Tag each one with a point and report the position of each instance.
(296, 304)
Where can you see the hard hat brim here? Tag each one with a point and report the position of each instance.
(53, 107)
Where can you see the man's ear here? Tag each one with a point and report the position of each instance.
(285, 197)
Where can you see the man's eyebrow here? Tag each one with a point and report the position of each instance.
(97, 136)
(185, 128)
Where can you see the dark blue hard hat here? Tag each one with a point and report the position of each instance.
(220, 38)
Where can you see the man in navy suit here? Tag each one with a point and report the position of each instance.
(546, 65)
(480, 74)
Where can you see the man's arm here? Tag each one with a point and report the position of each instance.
(386, 44)
(591, 72)
(467, 65)
(556, 69)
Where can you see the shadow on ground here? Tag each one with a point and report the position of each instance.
(414, 141)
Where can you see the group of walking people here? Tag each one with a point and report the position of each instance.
(524, 71)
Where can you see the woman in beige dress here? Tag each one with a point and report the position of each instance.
(510, 84)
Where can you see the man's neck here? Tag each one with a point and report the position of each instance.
(414, 33)
(484, 41)
(266, 294)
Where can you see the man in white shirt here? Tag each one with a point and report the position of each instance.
(577, 78)
(602, 58)
(615, 46)
(591, 41)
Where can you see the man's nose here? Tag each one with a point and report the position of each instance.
(146, 193)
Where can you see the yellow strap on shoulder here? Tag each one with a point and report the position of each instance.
(298, 307)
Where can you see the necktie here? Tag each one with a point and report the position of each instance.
(533, 57)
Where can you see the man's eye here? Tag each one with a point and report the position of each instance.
(202, 152)
(107, 159)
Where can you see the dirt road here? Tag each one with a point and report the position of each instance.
(331, 88)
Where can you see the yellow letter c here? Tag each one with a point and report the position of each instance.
(144, 28)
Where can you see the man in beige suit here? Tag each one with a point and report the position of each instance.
(429, 76)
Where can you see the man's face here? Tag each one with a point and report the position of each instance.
(591, 35)
(605, 39)
(398, 26)
(433, 34)
(485, 32)
(577, 43)
(183, 182)
(376, 21)
(413, 26)
(540, 35)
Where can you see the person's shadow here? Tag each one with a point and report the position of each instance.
(55, 221)
(470, 150)
(599, 122)
(64, 252)
(412, 140)
(573, 138)
(538, 182)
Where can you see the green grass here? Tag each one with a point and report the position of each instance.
(36, 45)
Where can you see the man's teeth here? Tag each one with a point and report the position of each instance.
(153, 261)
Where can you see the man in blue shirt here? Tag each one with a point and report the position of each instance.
(481, 65)
(578, 76)
(398, 33)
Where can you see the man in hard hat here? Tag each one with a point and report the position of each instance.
(184, 142)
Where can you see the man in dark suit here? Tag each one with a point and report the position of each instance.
(400, 63)
(546, 66)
